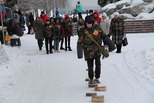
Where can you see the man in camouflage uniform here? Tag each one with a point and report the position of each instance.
(91, 50)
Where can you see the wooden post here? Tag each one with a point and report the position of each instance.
(97, 99)
(103, 88)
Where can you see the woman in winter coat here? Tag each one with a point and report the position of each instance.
(105, 23)
(57, 34)
(38, 29)
(96, 17)
(47, 32)
(117, 31)
(68, 33)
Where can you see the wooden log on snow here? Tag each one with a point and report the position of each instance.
(87, 79)
(103, 88)
(93, 85)
(97, 99)
(91, 94)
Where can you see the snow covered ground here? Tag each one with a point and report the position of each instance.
(60, 77)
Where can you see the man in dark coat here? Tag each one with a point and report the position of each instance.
(117, 31)
(38, 28)
(30, 22)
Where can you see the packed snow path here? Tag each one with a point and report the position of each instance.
(60, 77)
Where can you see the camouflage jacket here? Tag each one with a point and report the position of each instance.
(51, 26)
(57, 31)
(68, 29)
(91, 50)
(47, 31)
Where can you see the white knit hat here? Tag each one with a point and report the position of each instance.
(104, 15)
(116, 13)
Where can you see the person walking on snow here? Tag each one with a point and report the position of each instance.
(105, 23)
(91, 50)
(68, 30)
(117, 31)
(30, 22)
(38, 29)
(57, 34)
(47, 32)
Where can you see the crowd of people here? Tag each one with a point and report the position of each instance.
(56, 30)
(92, 31)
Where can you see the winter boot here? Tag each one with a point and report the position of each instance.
(61, 48)
(91, 81)
(69, 49)
(66, 49)
(97, 81)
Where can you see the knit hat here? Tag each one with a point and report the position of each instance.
(104, 15)
(91, 11)
(42, 12)
(116, 13)
(67, 17)
(89, 20)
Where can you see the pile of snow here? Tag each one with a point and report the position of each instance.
(144, 9)
(145, 16)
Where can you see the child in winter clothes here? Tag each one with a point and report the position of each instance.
(57, 34)
(47, 32)
(62, 38)
(67, 33)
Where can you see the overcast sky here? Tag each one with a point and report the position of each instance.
(84, 3)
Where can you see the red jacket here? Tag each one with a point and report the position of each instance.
(44, 18)
(97, 19)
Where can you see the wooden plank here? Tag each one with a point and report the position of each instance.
(87, 79)
(97, 99)
(91, 94)
(103, 88)
(92, 85)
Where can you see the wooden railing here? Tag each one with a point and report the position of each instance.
(139, 26)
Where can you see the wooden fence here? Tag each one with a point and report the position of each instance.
(139, 26)
(132, 26)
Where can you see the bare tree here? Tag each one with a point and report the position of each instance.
(46, 5)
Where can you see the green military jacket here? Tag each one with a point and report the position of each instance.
(57, 31)
(67, 29)
(91, 50)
